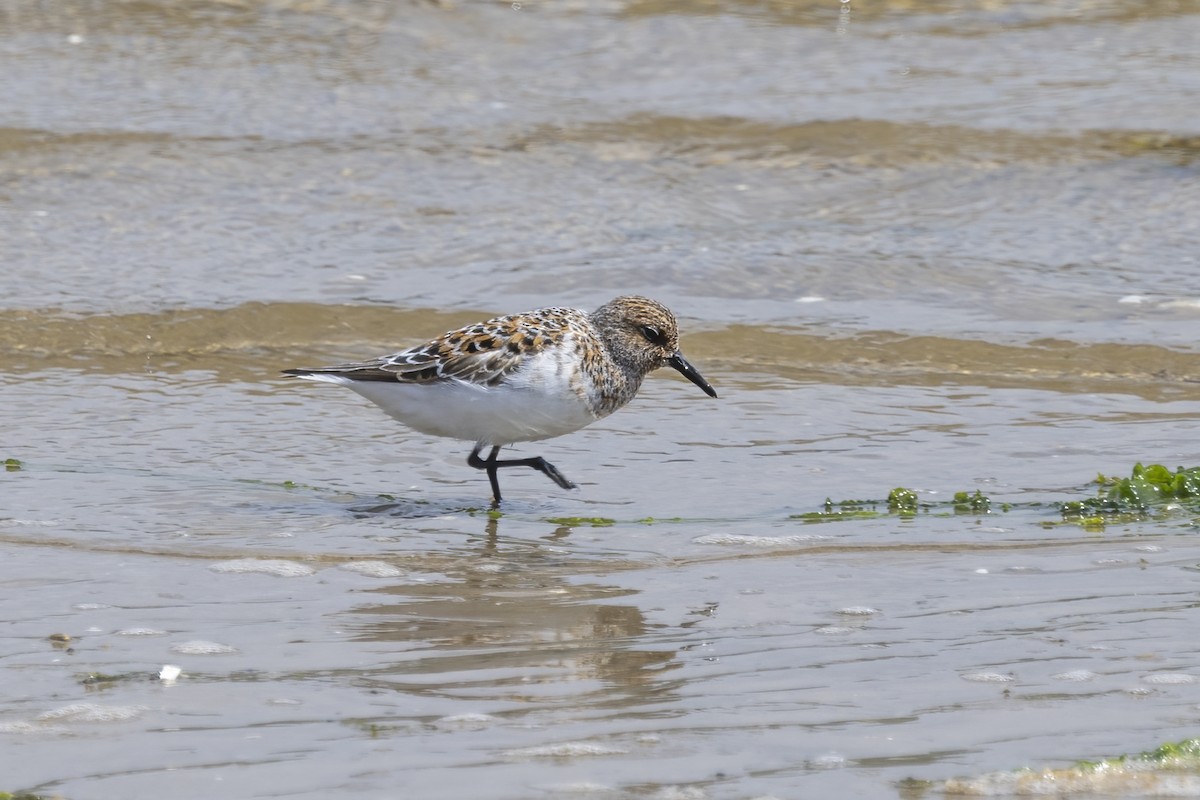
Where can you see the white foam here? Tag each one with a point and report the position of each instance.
(199, 647)
(567, 750)
(679, 793)
(1130, 779)
(742, 540)
(266, 566)
(92, 712)
(986, 677)
(1170, 678)
(19, 726)
(373, 569)
(834, 630)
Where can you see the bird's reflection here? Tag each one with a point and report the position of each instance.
(511, 613)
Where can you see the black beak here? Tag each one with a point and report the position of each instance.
(688, 371)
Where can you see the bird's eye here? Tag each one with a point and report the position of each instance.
(654, 335)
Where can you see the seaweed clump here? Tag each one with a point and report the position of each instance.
(1145, 491)
(903, 503)
(1170, 770)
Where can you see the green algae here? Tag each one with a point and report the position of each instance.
(581, 522)
(903, 503)
(1171, 769)
(1183, 755)
(103, 680)
(966, 503)
(1150, 492)
(1146, 492)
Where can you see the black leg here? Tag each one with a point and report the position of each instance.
(491, 464)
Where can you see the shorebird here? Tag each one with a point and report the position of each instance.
(521, 377)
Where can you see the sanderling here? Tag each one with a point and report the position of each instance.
(521, 378)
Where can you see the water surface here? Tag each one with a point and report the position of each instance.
(946, 246)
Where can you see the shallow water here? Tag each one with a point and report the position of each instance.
(945, 246)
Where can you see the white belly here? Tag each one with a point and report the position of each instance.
(537, 402)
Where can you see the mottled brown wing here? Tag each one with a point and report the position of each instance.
(483, 354)
(438, 362)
